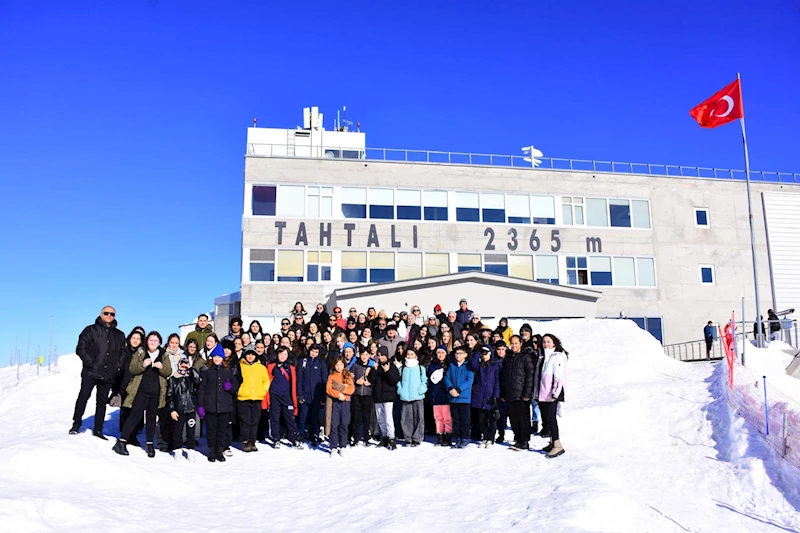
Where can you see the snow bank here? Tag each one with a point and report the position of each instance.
(650, 447)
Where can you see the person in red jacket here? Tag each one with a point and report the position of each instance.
(283, 399)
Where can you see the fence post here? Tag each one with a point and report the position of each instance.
(766, 405)
(785, 434)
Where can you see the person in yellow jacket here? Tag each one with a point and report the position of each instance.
(504, 330)
(254, 387)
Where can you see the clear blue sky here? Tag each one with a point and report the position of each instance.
(123, 123)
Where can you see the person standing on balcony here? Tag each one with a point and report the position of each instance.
(709, 332)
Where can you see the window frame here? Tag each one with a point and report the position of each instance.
(713, 274)
(697, 210)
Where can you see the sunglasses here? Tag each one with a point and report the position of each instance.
(284, 323)
(299, 318)
(106, 313)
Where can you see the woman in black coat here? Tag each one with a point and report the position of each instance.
(216, 398)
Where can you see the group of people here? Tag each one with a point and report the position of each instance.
(773, 321)
(367, 379)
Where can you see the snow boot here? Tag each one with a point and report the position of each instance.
(463, 443)
(556, 451)
(439, 439)
(384, 442)
(190, 456)
(448, 439)
(547, 448)
(297, 445)
(341, 452)
(501, 439)
(545, 433)
(253, 447)
(392, 444)
(99, 434)
(221, 456)
(151, 451)
(120, 447)
(177, 455)
(163, 447)
(228, 452)
(212, 455)
(245, 446)
(74, 430)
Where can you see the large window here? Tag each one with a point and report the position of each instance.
(577, 270)
(624, 272)
(381, 203)
(264, 200)
(467, 207)
(435, 205)
(645, 272)
(354, 267)
(547, 268)
(493, 207)
(520, 266)
(641, 213)
(291, 200)
(437, 264)
(354, 202)
(290, 265)
(572, 210)
(320, 202)
(467, 262)
(652, 325)
(600, 271)
(409, 265)
(409, 205)
(544, 210)
(381, 267)
(262, 265)
(496, 264)
(319, 266)
(518, 208)
(619, 213)
(596, 212)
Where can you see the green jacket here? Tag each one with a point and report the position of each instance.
(200, 335)
(137, 368)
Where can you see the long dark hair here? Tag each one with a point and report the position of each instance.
(556, 343)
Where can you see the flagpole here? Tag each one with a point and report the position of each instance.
(759, 335)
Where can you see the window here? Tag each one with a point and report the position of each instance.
(354, 202)
(518, 208)
(435, 205)
(319, 266)
(645, 272)
(544, 210)
(262, 265)
(381, 203)
(577, 270)
(409, 265)
(547, 268)
(467, 262)
(291, 200)
(320, 202)
(409, 205)
(437, 264)
(707, 274)
(263, 200)
(354, 267)
(467, 207)
(600, 272)
(520, 266)
(624, 272)
(596, 212)
(652, 325)
(701, 217)
(641, 213)
(496, 264)
(572, 210)
(493, 207)
(381, 267)
(620, 213)
(290, 265)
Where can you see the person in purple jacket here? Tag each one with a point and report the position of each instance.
(485, 392)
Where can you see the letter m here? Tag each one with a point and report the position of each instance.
(594, 244)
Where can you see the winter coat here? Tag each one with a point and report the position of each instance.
(255, 381)
(506, 333)
(459, 378)
(124, 376)
(517, 376)
(138, 370)
(413, 383)
(200, 335)
(464, 316)
(554, 377)
(337, 385)
(182, 392)
(312, 375)
(100, 350)
(289, 369)
(212, 395)
(384, 383)
(359, 371)
(321, 319)
(390, 345)
(487, 383)
(438, 394)
(708, 332)
(456, 327)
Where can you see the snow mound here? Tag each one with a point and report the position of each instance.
(651, 446)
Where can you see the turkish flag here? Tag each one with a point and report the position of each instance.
(725, 106)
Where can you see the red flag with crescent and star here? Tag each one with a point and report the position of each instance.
(725, 106)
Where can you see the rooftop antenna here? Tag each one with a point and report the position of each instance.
(532, 155)
(347, 123)
(255, 120)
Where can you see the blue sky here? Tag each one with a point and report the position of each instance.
(123, 123)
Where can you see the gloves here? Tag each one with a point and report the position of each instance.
(201, 412)
(227, 386)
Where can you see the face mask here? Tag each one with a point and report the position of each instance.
(411, 363)
(548, 351)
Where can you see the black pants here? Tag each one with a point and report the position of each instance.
(165, 424)
(519, 414)
(486, 424)
(503, 420)
(216, 427)
(263, 424)
(249, 414)
(185, 421)
(281, 408)
(460, 414)
(548, 410)
(101, 397)
(361, 409)
(143, 406)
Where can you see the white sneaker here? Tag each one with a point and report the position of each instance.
(341, 452)
(190, 456)
(487, 443)
(177, 455)
(228, 452)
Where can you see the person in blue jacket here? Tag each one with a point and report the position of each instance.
(485, 393)
(312, 377)
(411, 389)
(458, 380)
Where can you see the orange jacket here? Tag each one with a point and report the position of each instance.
(349, 387)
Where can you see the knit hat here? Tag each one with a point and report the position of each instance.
(248, 352)
(391, 325)
(383, 350)
(349, 345)
(462, 300)
(441, 347)
(526, 326)
(217, 351)
(437, 308)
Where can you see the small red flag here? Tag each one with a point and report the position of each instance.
(725, 106)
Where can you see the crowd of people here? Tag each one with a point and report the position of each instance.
(368, 379)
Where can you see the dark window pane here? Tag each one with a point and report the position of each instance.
(546, 280)
(435, 213)
(639, 322)
(354, 211)
(379, 275)
(381, 211)
(354, 275)
(494, 215)
(708, 277)
(264, 201)
(468, 268)
(601, 278)
(570, 262)
(467, 214)
(702, 218)
(620, 215)
(519, 220)
(543, 220)
(262, 271)
(497, 269)
(290, 278)
(654, 327)
(583, 277)
(326, 273)
(407, 212)
(312, 272)
(350, 154)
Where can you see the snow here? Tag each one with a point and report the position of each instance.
(772, 362)
(651, 446)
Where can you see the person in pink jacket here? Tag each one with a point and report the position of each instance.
(551, 389)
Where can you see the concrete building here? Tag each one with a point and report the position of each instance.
(325, 219)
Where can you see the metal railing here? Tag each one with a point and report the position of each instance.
(513, 161)
(695, 351)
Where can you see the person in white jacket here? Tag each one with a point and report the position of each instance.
(551, 389)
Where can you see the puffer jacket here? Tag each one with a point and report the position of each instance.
(182, 392)
(212, 395)
(438, 394)
(255, 381)
(517, 376)
(138, 370)
(554, 377)
(312, 376)
(384, 383)
(100, 350)
(199, 335)
(413, 383)
(487, 383)
(359, 371)
(459, 378)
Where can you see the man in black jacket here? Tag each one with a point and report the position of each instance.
(99, 347)
(516, 390)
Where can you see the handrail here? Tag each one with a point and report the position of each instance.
(513, 161)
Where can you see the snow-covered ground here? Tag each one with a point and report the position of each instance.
(651, 446)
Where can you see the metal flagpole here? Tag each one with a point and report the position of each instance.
(759, 335)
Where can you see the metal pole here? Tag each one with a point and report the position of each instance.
(769, 255)
(744, 334)
(766, 405)
(759, 335)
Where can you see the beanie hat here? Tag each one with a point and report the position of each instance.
(349, 345)
(526, 326)
(217, 351)
(383, 350)
(248, 352)
(437, 308)
(441, 347)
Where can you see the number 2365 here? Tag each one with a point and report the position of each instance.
(534, 242)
